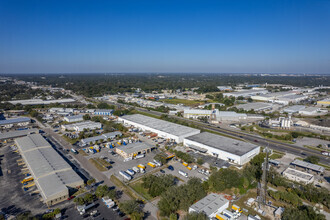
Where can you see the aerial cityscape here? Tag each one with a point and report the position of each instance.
(165, 110)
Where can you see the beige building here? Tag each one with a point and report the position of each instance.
(52, 175)
(298, 176)
(134, 149)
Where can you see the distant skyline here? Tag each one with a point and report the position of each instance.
(223, 36)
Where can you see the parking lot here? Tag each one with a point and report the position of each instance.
(13, 199)
(103, 213)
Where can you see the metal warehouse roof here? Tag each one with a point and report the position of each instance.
(14, 120)
(256, 106)
(51, 172)
(15, 134)
(74, 117)
(307, 165)
(103, 136)
(31, 142)
(135, 147)
(160, 125)
(294, 108)
(104, 110)
(209, 204)
(223, 143)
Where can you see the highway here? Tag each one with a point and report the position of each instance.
(272, 144)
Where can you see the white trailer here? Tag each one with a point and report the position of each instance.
(125, 175)
(183, 173)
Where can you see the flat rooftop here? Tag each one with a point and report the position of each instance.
(135, 147)
(18, 133)
(226, 144)
(40, 101)
(307, 165)
(50, 171)
(14, 120)
(256, 106)
(298, 173)
(103, 136)
(294, 108)
(209, 204)
(161, 125)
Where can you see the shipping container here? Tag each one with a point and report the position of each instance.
(183, 173)
(125, 175)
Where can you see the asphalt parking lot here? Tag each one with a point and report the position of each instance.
(104, 213)
(118, 163)
(13, 199)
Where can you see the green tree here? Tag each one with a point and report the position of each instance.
(87, 117)
(200, 161)
(91, 181)
(89, 197)
(131, 206)
(312, 159)
(196, 216)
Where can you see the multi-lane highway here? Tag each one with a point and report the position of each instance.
(272, 144)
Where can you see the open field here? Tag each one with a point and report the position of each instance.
(183, 101)
(97, 165)
(138, 187)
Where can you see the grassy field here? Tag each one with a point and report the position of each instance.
(123, 187)
(137, 186)
(275, 156)
(103, 162)
(71, 141)
(97, 165)
(183, 101)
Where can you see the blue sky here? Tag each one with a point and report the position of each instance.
(223, 36)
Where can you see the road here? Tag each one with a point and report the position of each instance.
(272, 144)
(91, 169)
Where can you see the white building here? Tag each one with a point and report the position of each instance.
(219, 115)
(225, 148)
(74, 118)
(80, 126)
(245, 93)
(163, 128)
(310, 111)
(23, 121)
(294, 109)
(51, 173)
(212, 205)
(41, 102)
(256, 106)
(298, 176)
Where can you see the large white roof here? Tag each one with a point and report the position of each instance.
(50, 171)
(160, 125)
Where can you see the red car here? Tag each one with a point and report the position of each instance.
(71, 197)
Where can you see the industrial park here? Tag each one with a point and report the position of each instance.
(164, 110)
(65, 155)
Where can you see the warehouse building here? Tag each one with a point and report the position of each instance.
(17, 134)
(80, 126)
(211, 205)
(74, 118)
(216, 114)
(309, 111)
(104, 137)
(41, 102)
(324, 102)
(256, 106)
(294, 109)
(23, 121)
(298, 176)
(52, 175)
(307, 166)
(134, 149)
(164, 129)
(245, 93)
(106, 112)
(225, 148)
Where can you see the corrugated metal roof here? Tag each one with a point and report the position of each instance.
(14, 120)
(210, 204)
(226, 144)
